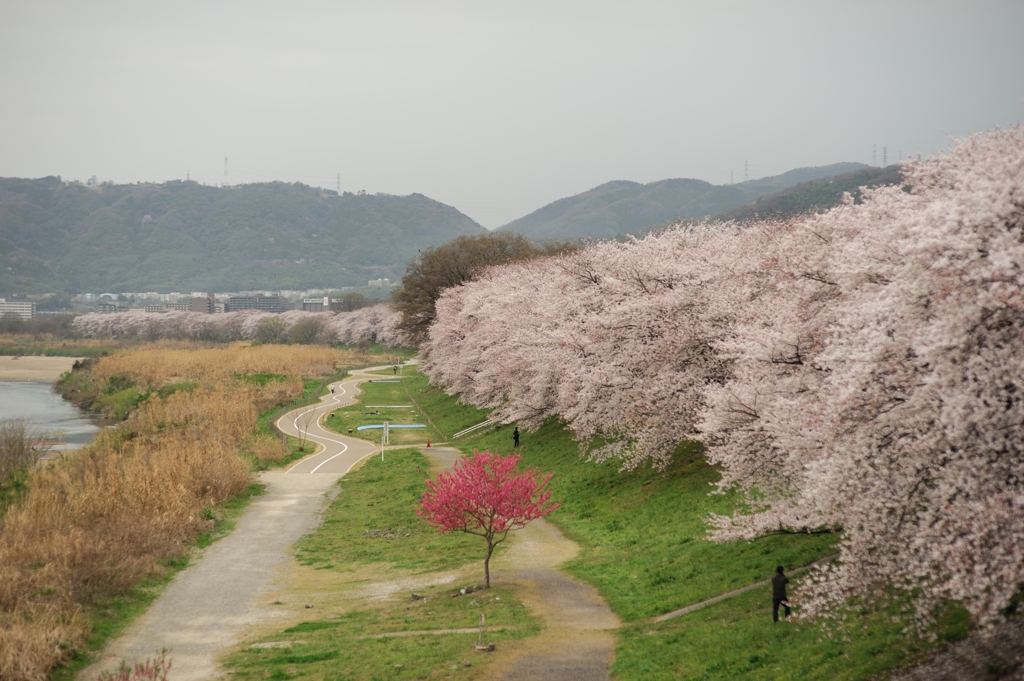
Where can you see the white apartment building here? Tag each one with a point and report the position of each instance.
(17, 307)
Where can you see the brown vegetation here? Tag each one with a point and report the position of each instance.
(174, 363)
(93, 524)
(20, 447)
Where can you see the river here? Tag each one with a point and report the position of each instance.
(48, 412)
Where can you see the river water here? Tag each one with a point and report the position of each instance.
(48, 412)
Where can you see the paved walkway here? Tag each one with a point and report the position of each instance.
(223, 593)
(209, 603)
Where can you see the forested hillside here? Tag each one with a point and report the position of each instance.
(617, 207)
(183, 236)
(816, 195)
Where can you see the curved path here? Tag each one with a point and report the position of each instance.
(338, 453)
(209, 603)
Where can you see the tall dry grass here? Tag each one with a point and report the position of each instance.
(154, 369)
(95, 523)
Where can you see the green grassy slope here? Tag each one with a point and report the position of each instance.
(644, 548)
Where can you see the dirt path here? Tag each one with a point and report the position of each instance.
(222, 594)
(578, 640)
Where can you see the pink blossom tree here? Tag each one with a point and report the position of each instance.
(485, 495)
(878, 384)
(856, 371)
(375, 323)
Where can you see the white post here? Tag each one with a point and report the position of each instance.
(383, 441)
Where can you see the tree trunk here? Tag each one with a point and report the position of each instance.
(487, 566)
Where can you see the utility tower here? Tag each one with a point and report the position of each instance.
(225, 171)
(339, 184)
(885, 156)
(746, 171)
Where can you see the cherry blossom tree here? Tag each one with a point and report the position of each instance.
(485, 495)
(373, 324)
(878, 384)
(614, 339)
(856, 371)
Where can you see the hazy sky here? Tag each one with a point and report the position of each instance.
(494, 108)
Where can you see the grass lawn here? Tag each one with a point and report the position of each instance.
(643, 547)
(373, 522)
(385, 399)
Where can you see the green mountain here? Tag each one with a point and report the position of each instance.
(814, 196)
(621, 206)
(183, 236)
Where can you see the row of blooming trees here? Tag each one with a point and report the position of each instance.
(375, 324)
(859, 370)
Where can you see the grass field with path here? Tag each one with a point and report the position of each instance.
(644, 547)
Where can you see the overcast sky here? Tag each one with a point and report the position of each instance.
(494, 108)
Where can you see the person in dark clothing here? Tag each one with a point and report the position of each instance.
(515, 437)
(779, 582)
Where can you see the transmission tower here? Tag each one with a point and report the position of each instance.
(885, 156)
(746, 171)
(225, 171)
(339, 184)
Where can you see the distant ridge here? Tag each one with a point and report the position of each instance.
(815, 195)
(182, 236)
(621, 206)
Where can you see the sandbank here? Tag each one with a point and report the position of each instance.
(33, 368)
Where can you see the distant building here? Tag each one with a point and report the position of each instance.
(379, 283)
(17, 306)
(275, 304)
(204, 304)
(106, 308)
(316, 304)
(156, 308)
(179, 307)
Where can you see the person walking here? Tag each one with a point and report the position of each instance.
(779, 597)
(515, 437)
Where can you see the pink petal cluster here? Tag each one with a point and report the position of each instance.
(484, 494)
(859, 370)
(615, 339)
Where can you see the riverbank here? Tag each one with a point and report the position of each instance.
(33, 368)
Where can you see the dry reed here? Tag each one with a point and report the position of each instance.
(152, 370)
(268, 448)
(93, 524)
